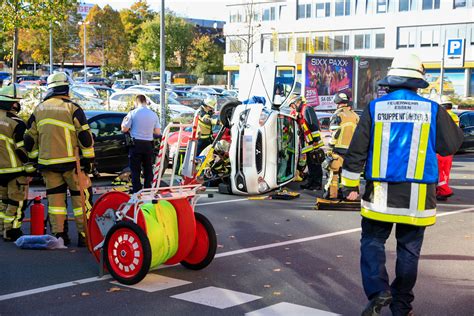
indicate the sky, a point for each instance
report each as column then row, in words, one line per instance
column 200, row 9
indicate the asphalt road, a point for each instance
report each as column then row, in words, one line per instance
column 274, row 258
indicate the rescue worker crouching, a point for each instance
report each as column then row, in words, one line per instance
column 310, row 140
column 55, row 129
column 205, row 123
column 13, row 159
column 342, row 125
column 397, row 140
column 443, row 191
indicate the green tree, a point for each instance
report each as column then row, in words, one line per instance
column 205, row 56
column 133, row 18
column 105, row 41
column 32, row 14
column 179, row 36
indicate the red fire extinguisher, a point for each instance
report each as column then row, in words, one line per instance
column 37, row 217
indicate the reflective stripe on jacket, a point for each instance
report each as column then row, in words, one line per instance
column 343, row 124
column 12, row 129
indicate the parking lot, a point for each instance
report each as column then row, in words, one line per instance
column 273, row 256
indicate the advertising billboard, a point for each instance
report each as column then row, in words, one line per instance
column 370, row 71
column 324, row 76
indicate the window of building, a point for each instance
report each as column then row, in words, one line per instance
column 283, row 44
column 380, row 40
column 430, row 4
column 429, row 36
column 459, row 4
column 304, row 11
column 302, row 44
column 323, row 9
column 235, row 46
column 319, row 43
column 406, row 37
column 268, row 14
column 367, row 41
column 341, row 42
column 382, row 6
column 404, row 5
column 472, row 38
column 362, row 41
column 281, row 11
column 343, row 7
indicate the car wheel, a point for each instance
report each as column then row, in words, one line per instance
column 227, row 110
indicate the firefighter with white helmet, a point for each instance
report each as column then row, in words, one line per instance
column 55, row 129
column 13, row 159
column 342, row 126
column 395, row 144
column 205, row 122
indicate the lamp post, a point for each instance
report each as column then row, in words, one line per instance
column 85, row 48
column 162, row 66
column 51, row 69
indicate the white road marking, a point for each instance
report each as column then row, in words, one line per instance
column 224, row 254
column 288, row 309
column 222, row 202
column 217, row 297
column 155, row 282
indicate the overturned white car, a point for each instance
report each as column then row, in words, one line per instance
column 264, row 149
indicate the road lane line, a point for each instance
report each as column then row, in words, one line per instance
column 53, row 287
column 220, row 255
column 222, row 202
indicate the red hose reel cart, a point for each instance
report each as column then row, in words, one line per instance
column 130, row 235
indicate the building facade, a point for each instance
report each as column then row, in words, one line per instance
column 284, row 30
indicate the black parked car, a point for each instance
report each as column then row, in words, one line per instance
column 111, row 155
column 466, row 122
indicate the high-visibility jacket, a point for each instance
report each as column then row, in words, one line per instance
column 397, row 140
column 308, row 123
column 454, row 117
column 12, row 152
column 55, row 128
column 205, row 122
column 343, row 124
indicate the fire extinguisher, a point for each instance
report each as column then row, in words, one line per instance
column 37, row 217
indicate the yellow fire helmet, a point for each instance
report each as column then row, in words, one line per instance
column 57, row 80
column 10, row 93
column 210, row 101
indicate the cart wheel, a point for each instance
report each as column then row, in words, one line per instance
column 205, row 245
column 127, row 253
column 109, row 200
column 227, row 110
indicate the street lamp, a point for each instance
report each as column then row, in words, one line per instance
column 51, row 69
column 85, row 48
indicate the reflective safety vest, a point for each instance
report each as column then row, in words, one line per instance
column 205, row 122
column 9, row 143
column 343, row 124
column 402, row 147
column 312, row 138
column 55, row 131
column 454, row 117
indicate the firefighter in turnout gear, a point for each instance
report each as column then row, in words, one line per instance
column 311, row 141
column 205, row 123
column 55, row 129
column 397, row 140
column 13, row 156
column 443, row 191
column 343, row 124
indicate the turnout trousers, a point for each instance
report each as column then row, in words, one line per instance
column 332, row 186
column 372, row 263
column 13, row 196
column 57, row 184
column 444, row 169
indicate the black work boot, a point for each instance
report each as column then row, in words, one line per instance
column 81, row 240
column 65, row 237
column 376, row 304
column 13, row 234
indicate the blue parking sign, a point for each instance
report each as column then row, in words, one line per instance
column 455, row 47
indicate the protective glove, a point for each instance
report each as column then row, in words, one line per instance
column 319, row 155
column 88, row 165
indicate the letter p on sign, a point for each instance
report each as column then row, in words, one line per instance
column 455, row 47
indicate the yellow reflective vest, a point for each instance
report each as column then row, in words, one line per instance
column 54, row 127
column 343, row 124
column 12, row 129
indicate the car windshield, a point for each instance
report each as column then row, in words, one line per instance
column 286, row 149
column 156, row 99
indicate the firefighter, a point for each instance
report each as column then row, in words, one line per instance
column 219, row 166
column 13, row 156
column 55, row 129
column 342, row 125
column 311, row 141
column 397, row 141
column 205, row 122
column 443, row 191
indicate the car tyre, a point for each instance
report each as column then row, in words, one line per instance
column 227, row 110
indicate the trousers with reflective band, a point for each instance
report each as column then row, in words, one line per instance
column 403, row 137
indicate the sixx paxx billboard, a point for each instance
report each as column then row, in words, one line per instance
column 324, row 76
